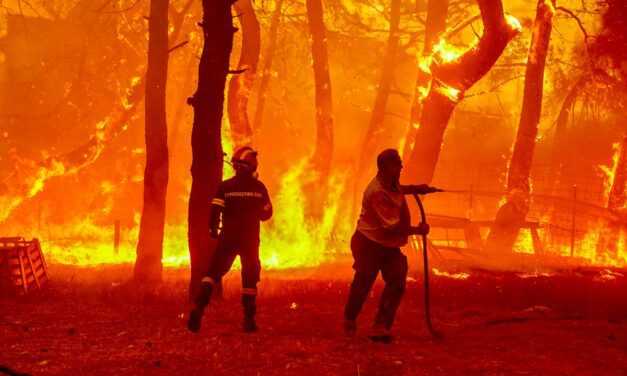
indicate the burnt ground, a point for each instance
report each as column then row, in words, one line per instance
column 88, row 322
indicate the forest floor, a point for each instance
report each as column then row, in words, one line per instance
column 87, row 321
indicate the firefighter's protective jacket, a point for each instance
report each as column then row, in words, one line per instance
column 243, row 202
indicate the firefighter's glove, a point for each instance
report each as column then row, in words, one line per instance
column 422, row 229
column 421, row 189
column 265, row 212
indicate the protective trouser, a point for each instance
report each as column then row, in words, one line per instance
column 223, row 258
column 370, row 258
column 248, row 302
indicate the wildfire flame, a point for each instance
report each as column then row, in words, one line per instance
column 513, row 23
column 603, row 243
column 293, row 239
column 33, row 176
column 450, row 92
column 445, row 52
column 290, row 239
column 610, row 171
column 441, row 273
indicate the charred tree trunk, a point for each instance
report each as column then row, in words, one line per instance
column 266, row 71
column 450, row 79
column 435, row 26
column 148, row 265
column 506, row 227
column 208, row 102
column 241, row 84
column 320, row 161
column 376, row 125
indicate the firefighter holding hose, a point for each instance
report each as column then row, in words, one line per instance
column 240, row 204
column 383, row 227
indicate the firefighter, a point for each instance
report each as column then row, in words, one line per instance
column 383, row 227
column 241, row 202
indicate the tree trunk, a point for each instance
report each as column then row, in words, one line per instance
column 450, row 80
column 435, row 26
column 241, row 84
column 150, row 243
column 376, row 125
column 505, row 231
column 266, row 71
column 208, row 104
column 321, row 158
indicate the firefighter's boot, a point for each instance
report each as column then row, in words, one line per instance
column 250, row 308
column 202, row 300
column 381, row 333
column 350, row 327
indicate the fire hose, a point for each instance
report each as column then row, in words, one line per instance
column 427, row 299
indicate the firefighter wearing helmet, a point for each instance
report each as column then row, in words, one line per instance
column 240, row 204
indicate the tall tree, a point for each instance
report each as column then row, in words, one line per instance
column 150, row 243
column 241, row 84
column 208, row 101
column 451, row 78
column 435, row 25
column 323, row 152
column 266, row 71
column 513, row 213
column 377, row 117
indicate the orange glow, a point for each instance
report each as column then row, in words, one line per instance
column 424, row 64
column 72, row 206
column 292, row 239
column 524, row 243
column 289, row 240
column 450, row 92
column 513, row 22
column 550, row 6
column 446, row 52
column 460, row 276
column 609, row 171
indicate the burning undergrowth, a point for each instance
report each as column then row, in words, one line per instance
column 291, row 239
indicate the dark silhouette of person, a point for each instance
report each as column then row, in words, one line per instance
column 383, row 227
column 241, row 203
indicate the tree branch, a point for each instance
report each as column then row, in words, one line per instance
column 493, row 88
column 100, row 9
column 577, row 19
column 179, row 45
